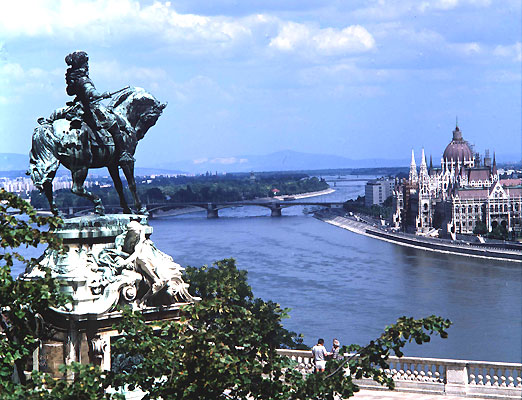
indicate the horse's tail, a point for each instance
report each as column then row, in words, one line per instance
column 43, row 163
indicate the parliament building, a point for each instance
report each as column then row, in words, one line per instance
column 465, row 191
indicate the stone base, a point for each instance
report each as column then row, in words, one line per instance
column 88, row 341
column 109, row 261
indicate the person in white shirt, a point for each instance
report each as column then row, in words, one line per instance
column 319, row 354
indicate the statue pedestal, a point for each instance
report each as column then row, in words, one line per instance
column 109, row 261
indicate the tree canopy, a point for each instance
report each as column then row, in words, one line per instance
column 22, row 302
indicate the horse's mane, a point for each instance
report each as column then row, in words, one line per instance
column 135, row 103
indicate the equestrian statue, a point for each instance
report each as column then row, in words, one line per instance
column 87, row 134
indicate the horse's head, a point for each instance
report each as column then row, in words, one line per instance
column 139, row 107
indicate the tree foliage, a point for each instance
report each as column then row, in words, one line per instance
column 22, row 302
column 358, row 206
column 499, row 232
column 204, row 188
column 225, row 348
column 480, row 227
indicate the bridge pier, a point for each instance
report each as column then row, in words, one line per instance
column 212, row 211
column 275, row 211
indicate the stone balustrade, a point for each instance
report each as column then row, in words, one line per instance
column 492, row 380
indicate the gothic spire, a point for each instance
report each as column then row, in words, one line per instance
column 413, row 169
column 423, row 168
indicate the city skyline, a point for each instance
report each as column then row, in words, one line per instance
column 369, row 80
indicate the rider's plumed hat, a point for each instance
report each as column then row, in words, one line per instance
column 77, row 59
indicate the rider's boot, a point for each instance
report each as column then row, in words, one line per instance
column 124, row 157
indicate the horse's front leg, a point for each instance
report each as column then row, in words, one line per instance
column 78, row 177
column 128, row 171
column 48, row 191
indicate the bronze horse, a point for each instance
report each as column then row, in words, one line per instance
column 56, row 143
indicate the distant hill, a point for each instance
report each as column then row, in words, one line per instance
column 286, row 160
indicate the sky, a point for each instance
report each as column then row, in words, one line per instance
column 360, row 79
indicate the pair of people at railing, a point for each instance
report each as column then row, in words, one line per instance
column 320, row 354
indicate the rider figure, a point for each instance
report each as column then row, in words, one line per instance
column 94, row 115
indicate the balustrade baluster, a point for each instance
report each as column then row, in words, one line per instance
column 422, row 376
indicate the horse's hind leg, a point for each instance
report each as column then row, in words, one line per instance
column 78, row 177
column 115, row 175
column 128, row 171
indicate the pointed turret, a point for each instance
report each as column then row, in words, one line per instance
column 431, row 163
column 423, row 173
column 494, row 171
column 413, row 169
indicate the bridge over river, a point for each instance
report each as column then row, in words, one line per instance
column 212, row 208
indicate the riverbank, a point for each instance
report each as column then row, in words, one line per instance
column 446, row 246
column 304, row 195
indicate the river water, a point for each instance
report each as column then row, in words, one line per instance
column 344, row 285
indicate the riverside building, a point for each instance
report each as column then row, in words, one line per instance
column 464, row 192
column 377, row 191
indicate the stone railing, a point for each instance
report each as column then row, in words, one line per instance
column 490, row 380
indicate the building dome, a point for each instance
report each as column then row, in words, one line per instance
column 458, row 148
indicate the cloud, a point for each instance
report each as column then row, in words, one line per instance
column 297, row 37
column 513, row 51
column 467, row 49
column 113, row 20
column 221, row 160
column 451, row 4
column 122, row 74
column 197, row 89
column 16, row 81
column 396, row 9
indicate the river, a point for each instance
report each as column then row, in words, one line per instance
column 344, row 285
